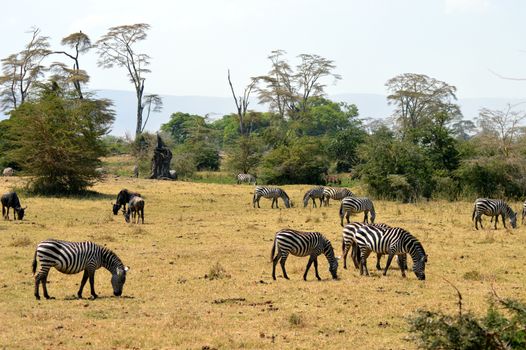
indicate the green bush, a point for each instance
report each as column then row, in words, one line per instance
column 503, row 327
column 58, row 140
column 302, row 162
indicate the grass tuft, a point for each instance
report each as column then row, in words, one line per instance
column 20, row 242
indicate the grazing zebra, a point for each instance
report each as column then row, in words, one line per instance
column 393, row 241
column 493, row 208
column 335, row 193
column 123, row 198
column 250, row 179
column 135, row 210
column 349, row 243
column 271, row 193
column 298, row 243
column 74, row 257
column 352, row 205
column 11, row 200
column 313, row 193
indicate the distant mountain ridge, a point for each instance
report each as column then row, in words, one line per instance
column 369, row 106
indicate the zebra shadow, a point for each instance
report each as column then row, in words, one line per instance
column 100, row 297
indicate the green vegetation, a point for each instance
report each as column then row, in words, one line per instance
column 503, row 327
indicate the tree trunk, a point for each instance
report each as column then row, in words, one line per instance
column 162, row 156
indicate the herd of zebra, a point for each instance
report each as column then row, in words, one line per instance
column 359, row 238
column 363, row 238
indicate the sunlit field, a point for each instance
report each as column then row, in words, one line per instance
column 200, row 272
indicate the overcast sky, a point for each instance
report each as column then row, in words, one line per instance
column 192, row 43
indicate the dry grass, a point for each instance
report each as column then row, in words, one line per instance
column 196, row 230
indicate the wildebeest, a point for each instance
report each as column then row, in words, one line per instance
column 135, row 209
column 10, row 200
column 123, row 198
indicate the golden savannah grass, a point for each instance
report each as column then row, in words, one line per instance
column 200, row 272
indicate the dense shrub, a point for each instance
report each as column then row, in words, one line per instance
column 58, row 141
column 503, row 327
column 302, row 162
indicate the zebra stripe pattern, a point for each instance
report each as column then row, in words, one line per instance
column 298, row 243
column 74, row 257
column 313, row 193
column 335, row 193
column 349, row 243
column 248, row 178
column 354, row 205
column 393, row 241
column 493, row 208
column 523, row 211
column 270, row 193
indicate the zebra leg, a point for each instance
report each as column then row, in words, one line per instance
column 378, row 257
column 44, row 287
column 363, row 262
column 142, row 215
column 38, row 278
column 311, row 260
column 355, row 254
column 347, row 217
column 274, row 263
column 91, row 275
column 402, row 263
column 314, row 205
column 345, row 251
column 282, row 263
column 497, row 220
column 316, row 268
column 82, row 283
column 366, row 217
column 388, row 263
column 504, row 220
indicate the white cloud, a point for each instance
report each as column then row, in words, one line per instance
column 466, row 6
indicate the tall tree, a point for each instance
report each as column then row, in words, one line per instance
column 501, row 127
column 117, row 47
column 81, row 44
column 418, row 99
column 22, row 70
column 289, row 92
column 242, row 103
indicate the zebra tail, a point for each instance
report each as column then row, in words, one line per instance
column 473, row 215
column 273, row 251
column 35, row 262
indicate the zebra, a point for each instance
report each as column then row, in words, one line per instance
column 335, row 193
column 523, row 212
column 393, row 241
column 123, row 197
column 74, row 257
column 349, row 243
column 351, row 205
column 298, row 243
column 251, row 179
column 313, row 193
column 11, row 200
column 135, row 210
column 271, row 193
column 493, row 208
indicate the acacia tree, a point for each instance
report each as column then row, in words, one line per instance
column 501, row 127
column 81, row 44
column 419, row 99
column 289, row 91
column 22, row 70
column 117, row 47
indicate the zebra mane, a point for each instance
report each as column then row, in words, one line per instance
column 110, row 260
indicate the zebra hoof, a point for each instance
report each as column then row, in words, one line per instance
column 37, row 297
column 94, row 296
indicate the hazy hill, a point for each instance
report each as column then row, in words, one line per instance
column 369, row 106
